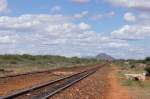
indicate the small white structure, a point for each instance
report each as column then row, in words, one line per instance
column 138, row 76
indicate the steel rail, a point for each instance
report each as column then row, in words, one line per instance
column 59, row 86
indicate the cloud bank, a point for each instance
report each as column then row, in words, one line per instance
column 135, row 4
column 52, row 34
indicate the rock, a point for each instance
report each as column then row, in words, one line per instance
column 136, row 76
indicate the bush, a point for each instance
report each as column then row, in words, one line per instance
column 132, row 66
column 13, row 62
column 147, row 69
column 147, row 59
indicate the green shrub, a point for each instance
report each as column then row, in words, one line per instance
column 13, row 62
column 147, row 69
column 147, row 59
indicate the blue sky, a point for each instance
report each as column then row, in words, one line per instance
column 120, row 28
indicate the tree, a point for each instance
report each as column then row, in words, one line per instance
column 147, row 59
column 147, row 69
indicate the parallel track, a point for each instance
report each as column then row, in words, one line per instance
column 48, row 89
column 24, row 74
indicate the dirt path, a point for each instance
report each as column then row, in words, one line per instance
column 115, row 90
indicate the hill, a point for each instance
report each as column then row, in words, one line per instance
column 103, row 56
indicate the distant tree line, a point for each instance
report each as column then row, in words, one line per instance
column 43, row 59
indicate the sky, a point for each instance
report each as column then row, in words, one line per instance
column 120, row 28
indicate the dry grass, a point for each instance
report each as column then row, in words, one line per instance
column 137, row 89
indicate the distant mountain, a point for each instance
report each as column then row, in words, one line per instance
column 103, row 56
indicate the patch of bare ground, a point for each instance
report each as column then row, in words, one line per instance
column 139, row 93
column 114, row 89
column 88, row 88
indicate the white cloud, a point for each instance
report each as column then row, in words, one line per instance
column 101, row 16
column 58, row 35
column 129, row 17
column 81, row 1
column 51, row 34
column 81, row 15
column 84, row 26
column 141, row 18
column 117, row 45
column 56, row 9
column 137, row 35
column 133, row 32
column 136, row 4
column 86, row 14
column 144, row 16
column 3, row 6
column 6, row 39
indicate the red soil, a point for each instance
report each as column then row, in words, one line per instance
column 101, row 85
column 114, row 89
column 10, row 84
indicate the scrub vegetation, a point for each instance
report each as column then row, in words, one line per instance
column 28, row 63
column 138, row 89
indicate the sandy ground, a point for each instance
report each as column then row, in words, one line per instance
column 114, row 89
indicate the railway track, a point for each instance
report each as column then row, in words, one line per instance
column 29, row 73
column 48, row 89
column 24, row 74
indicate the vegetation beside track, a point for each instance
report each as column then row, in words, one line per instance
column 138, row 89
column 27, row 63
